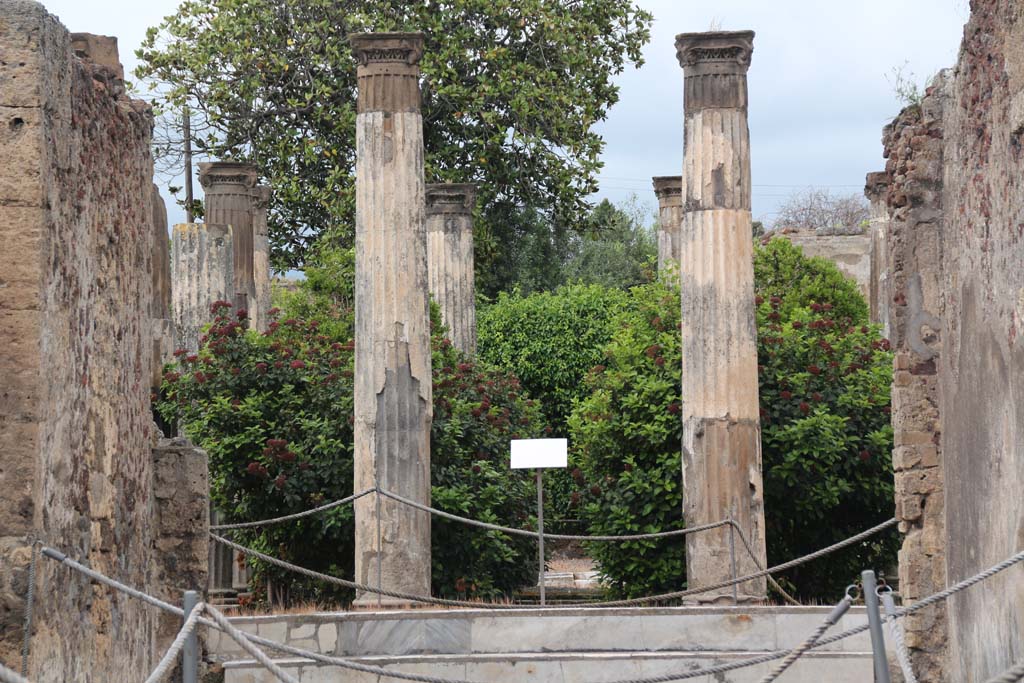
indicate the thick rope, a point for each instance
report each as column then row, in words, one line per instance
column 556, row 537
column 743, row 579
column 30, row 598
column 831, row 620
column 10, row 676
column 1011, row 675
column 297, row 515
column 170, row 658
column 247, row 645
column 757, row 563
column 902, row 655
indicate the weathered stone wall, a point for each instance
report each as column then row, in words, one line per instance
column 913, row 146
column 955, row 247
column 181, row 524
column 75, row 297
column 981, row 374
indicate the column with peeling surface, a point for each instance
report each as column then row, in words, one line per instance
column 669, row 191
column 450, row 259
column 721, row 425
column 259, row 309
column 392, row 355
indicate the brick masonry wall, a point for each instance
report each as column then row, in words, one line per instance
column 75, row 288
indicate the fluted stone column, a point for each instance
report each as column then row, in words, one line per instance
column 669, row 191
column 202, row 270
column 721, row 425
column 228, row 188
column 392, row 354
column 450, row 259
column 259, row 308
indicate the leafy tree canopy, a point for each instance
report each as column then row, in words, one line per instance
column 511, row 92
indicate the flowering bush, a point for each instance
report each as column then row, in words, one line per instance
column 275, row 414
column 824, row 388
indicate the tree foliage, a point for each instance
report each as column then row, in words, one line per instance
column 274, row 412
column 512, row 90
column 826, row 440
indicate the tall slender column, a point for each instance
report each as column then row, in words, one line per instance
column 258, row 309
column 669, row 191
column 721, row 425
column 450, row 259
column 228, row 187
column 392, row 355
column 160, row 308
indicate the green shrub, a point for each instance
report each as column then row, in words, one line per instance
column 274, row 412
column 826, row 439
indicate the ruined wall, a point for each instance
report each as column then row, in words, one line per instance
column 181, row 524
column 75, row 347
column 955, row 250
column 982, row 370
column 914, row 149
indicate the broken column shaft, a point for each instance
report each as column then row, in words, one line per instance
column 392, row 343
column 669, row 191
column 450, row 259
column 721, row 425
column 202, row 271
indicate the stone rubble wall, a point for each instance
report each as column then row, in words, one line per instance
column 914, row 149
column 75, row 421
column 955, row 299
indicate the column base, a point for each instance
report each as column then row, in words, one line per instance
column 370, row 602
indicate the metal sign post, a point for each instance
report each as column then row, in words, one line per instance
column 538, row 454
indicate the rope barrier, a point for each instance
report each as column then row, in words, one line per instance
column 1011, row 675
column 749, row 577
column 9, row 676
column 902, row 655
column 831, row 620
column 556, row 537
column 590, row 605
column 352, row 584
column 297, row 515
column 379, row 671
column 757, row 563
column 170, row 657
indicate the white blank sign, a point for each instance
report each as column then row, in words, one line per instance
column 534, row 453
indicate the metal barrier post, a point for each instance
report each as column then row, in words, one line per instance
column 380, row 550
column 732, row 560
column 190, row 653
column 869, row 586
column 540, row 530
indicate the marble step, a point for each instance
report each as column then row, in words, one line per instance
column 524, row 630
column 567, row 667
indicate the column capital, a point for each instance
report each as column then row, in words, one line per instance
column 387, row 70
column 214, row 173
column 456, row 198
column 715, row 52
column 668, row 187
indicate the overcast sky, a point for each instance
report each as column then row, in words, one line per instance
column 820, row 84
